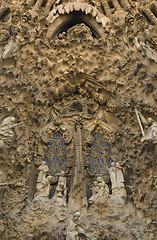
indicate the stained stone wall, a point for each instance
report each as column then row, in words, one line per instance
column 78, row 119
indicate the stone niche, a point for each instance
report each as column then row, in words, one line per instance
column 78, row 120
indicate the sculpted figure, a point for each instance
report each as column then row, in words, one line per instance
column 103, row 188
column 117, row 180
column 43, row 169
column 62, row 179
column 148, row 128
column 61, row 191
column 6, row 127
column 120, row 178
column 151, row 133
column 43, row 188
column 43, row 182
column 95, row 192
column 112, row 171
column 99, row 190
column 72, row 228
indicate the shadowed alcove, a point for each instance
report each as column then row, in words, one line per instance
column 65, row 22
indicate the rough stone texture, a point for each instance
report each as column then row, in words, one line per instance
column 78, row 83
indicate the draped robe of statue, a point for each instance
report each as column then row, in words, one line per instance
column 117, row 181
column 43, row 182
column 119, row 175
column 43, row 169
column 113, row 177
column 61, row 191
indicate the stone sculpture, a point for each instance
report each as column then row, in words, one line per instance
column 43, row 188
column 120, row 178
column 150, row 53
column 100, row 190
column 73, row 226
column 62, row 179
column 61, row 191
column 43, row 169
column 113, row 177
column 117, row 180
column 77, row 68
column 95, row 192
column 150, row 127
column 74, row 229
column 43, row 182
column 6, row 127
column 103, row 188
column 151, row 133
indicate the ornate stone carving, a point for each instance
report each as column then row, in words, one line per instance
column 117, row 180
column 6, row 132
column 6, row 127
column 150, row 126
column 100, row 190
column 43, row 188
column 60, row 195
column 74, row 230
column 43, row 182
column 151, row 133
column 145, row 49
column 71, row 74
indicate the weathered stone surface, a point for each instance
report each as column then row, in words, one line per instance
column 78, row 119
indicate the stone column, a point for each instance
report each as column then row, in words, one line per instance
column 77, row 198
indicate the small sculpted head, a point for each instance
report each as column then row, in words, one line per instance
column 76, row 216
column 117, row 164
column 95, row 183
column 62, row 173
column 99, row 179
column 112, row 164
column 150, row 120
column 7, row 121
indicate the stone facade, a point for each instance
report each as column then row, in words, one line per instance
column 78, row 119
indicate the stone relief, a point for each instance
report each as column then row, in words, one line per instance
column 150, row 126
column 74, row 230
column 44, row 188
column 6, row 127
column 100, row 190
column 43, row 182
column 71, row 74
column 117, row 181
column 151, row 130
column 60, row 195
column 7, row 132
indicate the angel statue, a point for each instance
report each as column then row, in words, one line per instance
column 150, row 127
column 7, row 126
column 6, row 132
